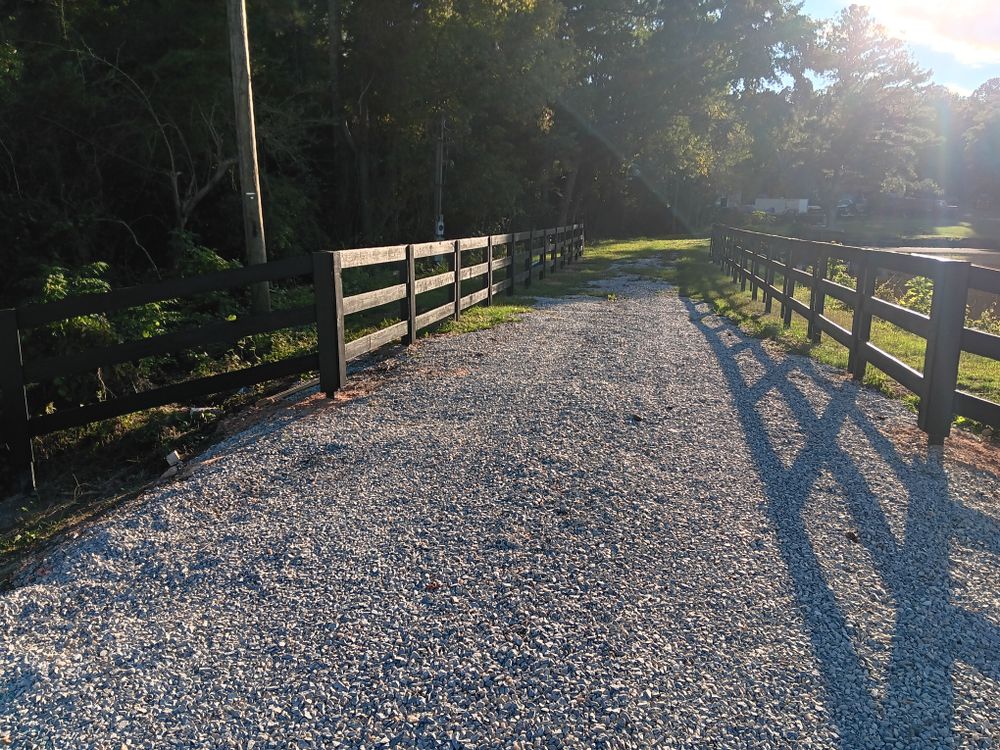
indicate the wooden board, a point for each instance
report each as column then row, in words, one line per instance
column 367, row 300
column 430, row 249
column 903, row 317
column 433, row 316
column 226, row 332
column 470, row 299
column 373, row 341
column 434, row 282
column 370, row 256
column 982, row 343
column 471, row 272
column 977, row 408
column 171, row 394
column 895, row 369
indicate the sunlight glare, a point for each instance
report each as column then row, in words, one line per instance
column 969, row 30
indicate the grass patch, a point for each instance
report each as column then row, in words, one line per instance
column 915, row 228
column 479, row 318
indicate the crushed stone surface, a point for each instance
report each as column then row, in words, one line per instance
column 617, row 523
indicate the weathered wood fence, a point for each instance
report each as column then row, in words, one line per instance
column 511, row 260
column 757, row 260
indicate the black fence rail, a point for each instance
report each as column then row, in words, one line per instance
column 510, row 260
column 757, row 260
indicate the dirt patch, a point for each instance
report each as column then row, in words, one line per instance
column 960, row 447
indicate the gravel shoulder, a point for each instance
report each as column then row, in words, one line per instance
column 617, row 523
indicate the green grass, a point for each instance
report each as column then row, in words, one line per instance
column 478, row 318
column 917, row 228
column 899, row 230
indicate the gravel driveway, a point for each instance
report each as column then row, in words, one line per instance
column 618, row 523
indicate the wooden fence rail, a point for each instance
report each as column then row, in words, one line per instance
column 754, row 259
column 518, row 256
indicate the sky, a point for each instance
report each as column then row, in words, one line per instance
column 958, row 39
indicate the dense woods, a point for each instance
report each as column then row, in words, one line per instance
column 117, row 145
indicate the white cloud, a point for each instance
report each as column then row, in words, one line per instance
column 957, row 88
column 968, row 30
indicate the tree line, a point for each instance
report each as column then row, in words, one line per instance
column 118, row 151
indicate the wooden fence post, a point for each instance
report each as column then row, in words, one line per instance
column 768, row 278
column 944, row 348
column 456, row 263
column 788, row 288
column 583, row 230
column 817, row 297
column 411, row 295
column 324, row 292
column 527, row 260
column 861, row 325
column 541, row 266
column 14, row 407
column 512, row 268
column 738, row 274
column 754, row 270
column 489, row 271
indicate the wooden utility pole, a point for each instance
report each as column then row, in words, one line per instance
column 246, row 137
column 439, row 185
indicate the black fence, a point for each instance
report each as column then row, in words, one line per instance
column 510, row 260
column 774, row 266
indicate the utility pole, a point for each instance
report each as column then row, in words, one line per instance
column 246, row 138
column 439, row 185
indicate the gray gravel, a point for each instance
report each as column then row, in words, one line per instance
column 615, row 524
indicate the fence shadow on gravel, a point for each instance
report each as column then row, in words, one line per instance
column 929, row 633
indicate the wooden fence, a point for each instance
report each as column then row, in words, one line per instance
column 518, row 257
column 756, row 259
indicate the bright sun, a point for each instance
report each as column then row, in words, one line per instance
column 967, row 29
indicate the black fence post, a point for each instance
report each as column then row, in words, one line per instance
column 411, row 296
column 788, row 289
column 861, row 325
column 528, row 259
column 817, row 297
column 768, row 277
column 456, row 264
column 489, row 271
column 944, row 348
column 329, row 295
column 541, row 265
column 14, row 406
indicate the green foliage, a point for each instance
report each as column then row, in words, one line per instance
column 919, row 294
column 479, row 318
column 761, row 221
column 988, row 321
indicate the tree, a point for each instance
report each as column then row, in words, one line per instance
column 982, row 145
column 867, row 123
